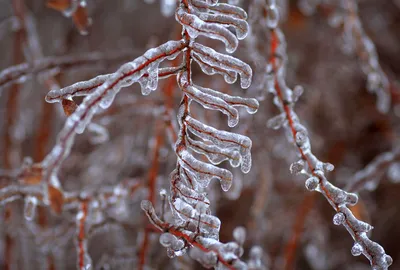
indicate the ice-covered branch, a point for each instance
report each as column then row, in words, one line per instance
column 102, row 97
column 208, row 251
column 369, row 177
column 55, row 64
column 309, row 164
column 193, row 223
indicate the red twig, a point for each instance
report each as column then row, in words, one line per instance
column 154, row 170
column 302, row 214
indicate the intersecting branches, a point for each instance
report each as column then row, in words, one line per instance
column 53, row 65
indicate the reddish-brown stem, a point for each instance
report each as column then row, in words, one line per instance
column 9, row 243
column 64, row 64
column 11, row 109
column 170, row 85
column 152, row 182
column 155, row 164
column 143, row 250
column 82, row 234
column 287, row 110
column 291, row 245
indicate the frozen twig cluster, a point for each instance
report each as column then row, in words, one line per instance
column 193, row 223
column 308, row 164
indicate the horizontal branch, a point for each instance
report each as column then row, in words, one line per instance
column 54, row 64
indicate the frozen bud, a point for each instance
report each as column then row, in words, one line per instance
column 297, row 92
column 373, row 80
column 312, row 183
column 276, row 122
column 339, row 218
column 328, row 167
column 256, row 252
column 272, row 16
column 356, row 250
column 178, row 245
column 30, row 207
column 166, row 239
column 277, row 101
column 239, row 234
column 231, row 247
column 388, row 260
column 226, row 184
column 163, row 193
column 210, row 258
column 27, row 162
column 201, row 207
column 394, row 172
column 301, row 138
column 351, row 198
column 297, row 167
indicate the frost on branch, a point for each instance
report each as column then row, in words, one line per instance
column 106, row 88
column 190, row 207
column 309, row 164
column 356, row 41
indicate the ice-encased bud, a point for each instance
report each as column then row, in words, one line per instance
column 239, row 234
column 297, row 167
column 339, row 218
column 328, row 167
column 166, row 239
column 301, row 138
column 394, row 172
column 298, row 90
column 276, row 122
column 356, row 250
column 163, row 193
column 388, row 260
column 351, row 198
column 312, row 183
column 272, row 16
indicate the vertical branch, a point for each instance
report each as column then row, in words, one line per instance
column 11, row 114
column 152, row 183
column 302, row 213
column 83, row 259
